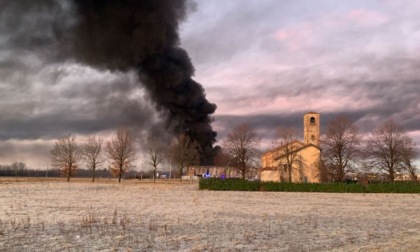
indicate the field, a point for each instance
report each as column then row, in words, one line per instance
column 53, row 215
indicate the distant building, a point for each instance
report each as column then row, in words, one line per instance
column 212, row 171
column 306, row 167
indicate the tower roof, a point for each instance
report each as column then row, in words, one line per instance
column 312, row 113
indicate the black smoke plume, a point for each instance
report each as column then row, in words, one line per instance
column 118, row 35
column 143, row 35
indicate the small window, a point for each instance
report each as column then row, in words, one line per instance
column 312, row 120
column 313, row 138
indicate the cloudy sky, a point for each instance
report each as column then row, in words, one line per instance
column 262, row 62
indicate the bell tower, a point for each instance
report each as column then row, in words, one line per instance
column 311, row 128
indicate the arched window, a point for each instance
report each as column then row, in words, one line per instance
column 312, row 120
column 313, row 138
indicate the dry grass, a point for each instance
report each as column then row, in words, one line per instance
column 53, row 215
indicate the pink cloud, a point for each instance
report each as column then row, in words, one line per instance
column 365, row 18
column 295, row 37
column 298, row 36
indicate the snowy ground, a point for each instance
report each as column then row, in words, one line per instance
column 53, row 215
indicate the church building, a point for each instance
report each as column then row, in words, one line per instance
column 296, row 161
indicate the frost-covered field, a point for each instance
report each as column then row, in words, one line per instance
column 55, row 215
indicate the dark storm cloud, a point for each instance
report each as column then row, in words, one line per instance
column 33, row 27
column 76, row 110
column 265, row 124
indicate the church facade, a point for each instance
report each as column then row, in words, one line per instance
column 296, row 161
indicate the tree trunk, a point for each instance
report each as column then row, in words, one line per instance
column 93, row 175
column 391, row 174
column 340, row 175
column 290, row 173
column 154, row 175
column 120, row 174
column 243, row 169
column 68, row 174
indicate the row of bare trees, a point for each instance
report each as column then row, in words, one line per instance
column 67, row 154
column 387, row 150
column 121, row 153
column 14, row 169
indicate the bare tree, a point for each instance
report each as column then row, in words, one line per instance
column 409, row 153
column 65, row 155
column 223, row 159
column 121, row 152
column 184, row 153
column 242, row 146
column 91, row 154
column 287, row 145
column 155, row 154
column 341, row 147
column 384, row 148
column 18, row 167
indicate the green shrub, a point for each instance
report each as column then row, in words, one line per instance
column 228, row 184
column 244, row 185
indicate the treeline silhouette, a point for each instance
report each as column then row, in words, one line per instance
column 8, row 171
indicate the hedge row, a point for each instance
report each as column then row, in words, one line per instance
column 244, row 185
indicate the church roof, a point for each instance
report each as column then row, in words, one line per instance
column 283, row 146
column 297, row 150
column 302, row 146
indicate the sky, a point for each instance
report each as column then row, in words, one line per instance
column 262, row 62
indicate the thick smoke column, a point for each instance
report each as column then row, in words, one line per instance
column 143, row 36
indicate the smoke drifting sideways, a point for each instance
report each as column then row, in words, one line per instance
column 140, row 36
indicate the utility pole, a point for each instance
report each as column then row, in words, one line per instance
column 170, row 168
